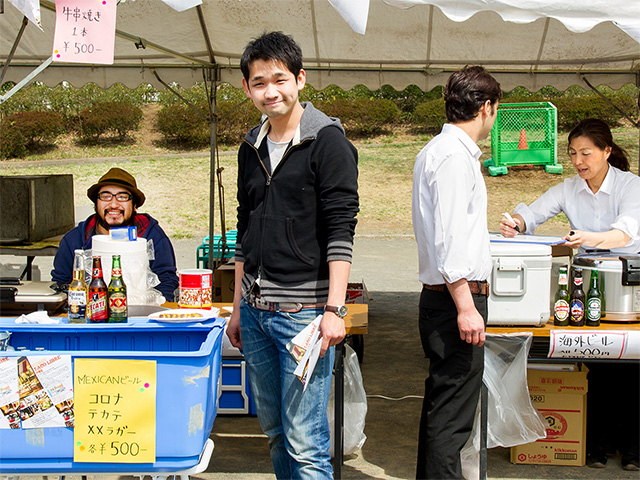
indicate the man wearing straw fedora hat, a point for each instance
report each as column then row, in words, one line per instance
column 116, row 197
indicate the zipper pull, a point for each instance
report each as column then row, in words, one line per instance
column 268, row 181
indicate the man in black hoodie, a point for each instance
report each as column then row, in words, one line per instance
column 297, row 203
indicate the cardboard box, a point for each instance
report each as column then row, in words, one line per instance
column 561, row 397
column 224, row 282
column 357, row 293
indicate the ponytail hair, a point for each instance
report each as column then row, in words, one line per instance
column 600, row 134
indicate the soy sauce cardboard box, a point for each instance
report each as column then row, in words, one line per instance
column 561, row 397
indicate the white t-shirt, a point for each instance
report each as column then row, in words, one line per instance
column 449, row 208
column 276, row 152
column 616, row 205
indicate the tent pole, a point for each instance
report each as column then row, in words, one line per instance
column 584, row 79
column 25, row 22
column 213, row 74
column 25, row 80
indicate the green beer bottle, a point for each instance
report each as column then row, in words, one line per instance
column 561, row 303
column 117, row 293
column 593, row 310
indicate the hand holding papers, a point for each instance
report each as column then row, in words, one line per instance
column 305, row 349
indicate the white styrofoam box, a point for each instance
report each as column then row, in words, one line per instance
column 519, row 283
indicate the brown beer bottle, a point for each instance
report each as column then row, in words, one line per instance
column 577, row 300
column 97, row 294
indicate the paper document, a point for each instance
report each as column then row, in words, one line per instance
column 538, row 239
column 305, row 349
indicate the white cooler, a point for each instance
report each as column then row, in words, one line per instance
column 519, row 283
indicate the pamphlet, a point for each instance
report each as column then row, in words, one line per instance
column 9, row 393
column 46, row 391
column 305, row 349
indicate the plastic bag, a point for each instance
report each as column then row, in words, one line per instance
column 355, row 405
column 137, row 275
column 511, row 417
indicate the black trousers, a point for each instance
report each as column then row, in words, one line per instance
column 452, row 389
column 613, row 420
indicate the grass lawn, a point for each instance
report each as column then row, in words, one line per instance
column 177, row 183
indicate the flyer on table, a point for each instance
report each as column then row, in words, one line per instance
column 46, row 391
column 9, row 393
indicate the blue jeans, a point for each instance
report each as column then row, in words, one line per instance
column 295, row 421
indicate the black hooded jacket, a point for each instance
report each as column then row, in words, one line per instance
column 293, row 222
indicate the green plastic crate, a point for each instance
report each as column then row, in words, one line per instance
column 524, row 134
column 221, row 254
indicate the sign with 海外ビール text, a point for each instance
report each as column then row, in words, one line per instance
column 85, row 31
column 604, row 344
column 115, row 403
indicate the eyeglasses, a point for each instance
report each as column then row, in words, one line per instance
column 120, row 196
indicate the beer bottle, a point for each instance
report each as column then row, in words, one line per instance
column 117, row 294
column 77, row 292
column 561, row 303
column 97, row 294
column 594, row 301
column 577, row 300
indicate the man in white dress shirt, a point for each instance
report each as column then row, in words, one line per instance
column 450, row 224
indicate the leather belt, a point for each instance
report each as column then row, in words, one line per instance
column 477, row 287
column 287, row 307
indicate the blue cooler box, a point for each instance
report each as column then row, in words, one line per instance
column 187, row 370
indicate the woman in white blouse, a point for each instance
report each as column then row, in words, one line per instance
column 602, row 202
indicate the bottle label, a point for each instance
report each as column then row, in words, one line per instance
column 97, row 272
column 116, row 272
column 561, row 310
column 118, row 304
column 594, row 309
column 577, row 309
column 563, row 278
column 77, row 297
column 98, row 306
column 77, row 304
column 577, row 281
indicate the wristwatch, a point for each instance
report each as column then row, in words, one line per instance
column 340, row 310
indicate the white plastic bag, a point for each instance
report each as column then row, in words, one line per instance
column 511, row 417
column 355, row 405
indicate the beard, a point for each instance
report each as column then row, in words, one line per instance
column 103, row 223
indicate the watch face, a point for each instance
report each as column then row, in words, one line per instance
column 340, row 311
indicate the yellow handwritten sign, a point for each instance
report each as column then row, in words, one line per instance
column 115, row 407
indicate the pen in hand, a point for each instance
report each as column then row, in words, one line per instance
column 510, row 218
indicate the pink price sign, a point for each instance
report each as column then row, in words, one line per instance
column 85, row 31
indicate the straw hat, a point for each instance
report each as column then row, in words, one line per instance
column 117, row 176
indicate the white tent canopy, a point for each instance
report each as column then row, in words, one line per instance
column 552, row 43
